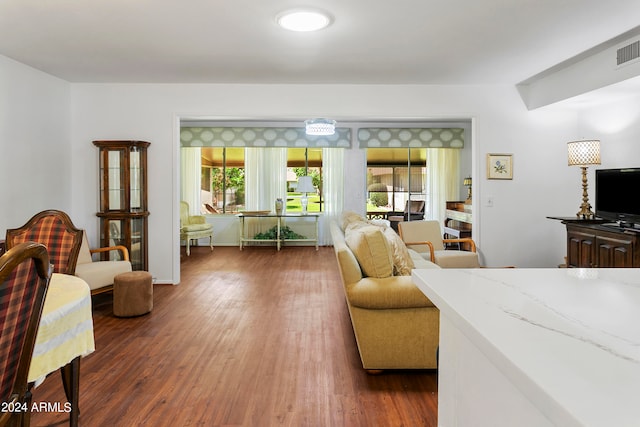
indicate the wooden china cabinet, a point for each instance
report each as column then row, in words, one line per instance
column 123, row 199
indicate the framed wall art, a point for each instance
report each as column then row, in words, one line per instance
column 499, row 166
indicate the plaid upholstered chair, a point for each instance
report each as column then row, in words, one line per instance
column 24, row 278
column 57, row 233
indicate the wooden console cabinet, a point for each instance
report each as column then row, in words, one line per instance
column 457, row 222
column 597, row 245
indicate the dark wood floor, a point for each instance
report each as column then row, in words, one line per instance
column 251, row 338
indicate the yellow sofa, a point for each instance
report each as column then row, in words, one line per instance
column 396, row 326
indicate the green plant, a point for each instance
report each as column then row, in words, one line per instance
column 378, row 195
column 272, row 234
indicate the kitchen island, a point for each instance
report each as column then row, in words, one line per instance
column 537, row 347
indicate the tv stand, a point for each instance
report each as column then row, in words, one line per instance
column 598, row 244
column 627, row 225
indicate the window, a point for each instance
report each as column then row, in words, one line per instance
column 304, row 162
column 222, row 180
column 231, row 168
column 394, row 176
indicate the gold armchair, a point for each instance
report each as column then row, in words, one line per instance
column 193, row 227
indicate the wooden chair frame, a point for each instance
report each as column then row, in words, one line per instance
column 64, row 259
column 16, row 374
column 471, row 243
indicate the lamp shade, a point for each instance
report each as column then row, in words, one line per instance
column 305, row 185
column 583, row 153
column 467, row 181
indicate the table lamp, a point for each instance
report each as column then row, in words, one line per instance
column 467, row 183
column 584, row 153
column 305, row 185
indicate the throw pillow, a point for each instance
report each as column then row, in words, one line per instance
column 402, row 262
column 371, row 249
column 348, row 217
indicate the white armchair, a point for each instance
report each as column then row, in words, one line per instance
column 99, row 274
column 193, row 227
column 426, row 238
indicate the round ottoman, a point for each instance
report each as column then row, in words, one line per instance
column 132, row 294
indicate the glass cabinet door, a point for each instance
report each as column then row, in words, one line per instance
column 112, row 180
column 128, row 232
column 113, row 234
column 136, row 179
column 138, row 248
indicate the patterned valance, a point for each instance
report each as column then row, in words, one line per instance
column 411, row 137
column 260, row 137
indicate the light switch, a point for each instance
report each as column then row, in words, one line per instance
column 489, row 203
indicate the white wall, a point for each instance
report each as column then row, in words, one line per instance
column 617, row 125
column 512, row 232
column 47, row 125
column 35, row 144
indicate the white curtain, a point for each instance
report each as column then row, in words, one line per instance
column 190, row 162
column 333, row 189
column 265, row 174
column 443, row 180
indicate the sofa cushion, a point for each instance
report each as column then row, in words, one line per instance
column 387, row 293
column 101, row 273
column 196, row 227
column 457, row 259
column 371, row 248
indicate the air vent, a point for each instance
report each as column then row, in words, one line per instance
column 628, row 53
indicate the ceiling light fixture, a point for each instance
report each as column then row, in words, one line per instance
column 303, row 20
column 320, row 127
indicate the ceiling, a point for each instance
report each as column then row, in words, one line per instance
column 369, row 42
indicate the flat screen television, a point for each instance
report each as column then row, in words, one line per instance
column 618, row 195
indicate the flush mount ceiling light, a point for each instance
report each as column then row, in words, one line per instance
column 320, row 127
column 303, row 20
